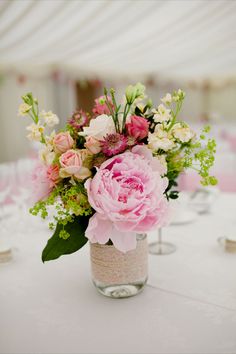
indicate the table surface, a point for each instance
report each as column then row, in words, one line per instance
column 188, row 306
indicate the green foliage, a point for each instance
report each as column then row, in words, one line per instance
column 69, row 200
column 75, row 199
column 174, row 168
column 200, row 156
column 66, row 239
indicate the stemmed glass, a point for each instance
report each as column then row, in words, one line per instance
column 159, row 247
column 23, row 170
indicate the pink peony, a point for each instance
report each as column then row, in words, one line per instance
column 92, row 145
column 101, row 106
column 137, row 127
column 41, row 185
column 72, row 165
column 53, row 175
column 127, row 194
column 63, row 142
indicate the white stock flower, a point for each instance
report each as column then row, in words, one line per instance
column 36, row 131
column 182, row 133
column 99, row 127
column 160, row 139
column 141, row 106
column 23, row 109
column 50, row 118
column 167, row 99
column 162, row 114
column 179, row 95
column 134, row 92
column 47, row 156
column 162, row 160
column 49, row 139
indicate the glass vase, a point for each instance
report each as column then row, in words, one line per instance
column 116, row 274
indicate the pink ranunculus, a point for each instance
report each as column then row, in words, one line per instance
column 53, row 175
column 100, row 106
column 63, row 142
column 41, row 185
column 72, row 165
column 127, row 194
column 137, row 127
column 93, row 145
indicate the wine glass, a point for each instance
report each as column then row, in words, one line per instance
column 159, row 247
column 23, row 169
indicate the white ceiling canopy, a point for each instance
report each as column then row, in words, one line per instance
column 171, row 39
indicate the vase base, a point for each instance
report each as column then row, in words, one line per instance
column 120, row 291
column 161, row 248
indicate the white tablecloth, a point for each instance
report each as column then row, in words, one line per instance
column 188, row 306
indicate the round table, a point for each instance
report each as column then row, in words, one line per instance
column 188, row 305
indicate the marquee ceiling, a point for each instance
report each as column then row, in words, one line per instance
column 180, row 39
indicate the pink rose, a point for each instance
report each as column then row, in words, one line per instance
column 127, row 194
column 101, row 106
column 93, row 145
column 41, row 185
column 53, row 175
column 137, row 127
column 72, row 165
column 63, row 142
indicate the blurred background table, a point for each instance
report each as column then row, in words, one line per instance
column 188, row 306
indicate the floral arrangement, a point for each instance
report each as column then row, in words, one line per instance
column 109, row 175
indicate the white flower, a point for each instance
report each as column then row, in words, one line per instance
column 99, row 127
column 134, row 92
column 49, row 139
column 160, row 131
column 47, row 156
column 23, row 109
column 160, row 139
column 179, row 95
column 36, row 131
column 50, row 118
column 182, row 133
column 162, row 160
column 141, row 106
column 162, row 114
column 167, row 99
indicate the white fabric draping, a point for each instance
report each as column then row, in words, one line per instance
column 187, row 39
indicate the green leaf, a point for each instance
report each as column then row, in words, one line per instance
column 58, row 246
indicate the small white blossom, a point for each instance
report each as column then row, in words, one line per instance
column 23, row 109
column 179, row 95
column 182, row 133
column 134, row 92
column 99, row 127
column 156, row 143
column 50, row 118
column 141, row 106
column 160, row 139
column 167, row 99
column 36, row 131
column 49, row 139
column 47, row 156
column 161, row 132
column 162, row 114
column 162, row 160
